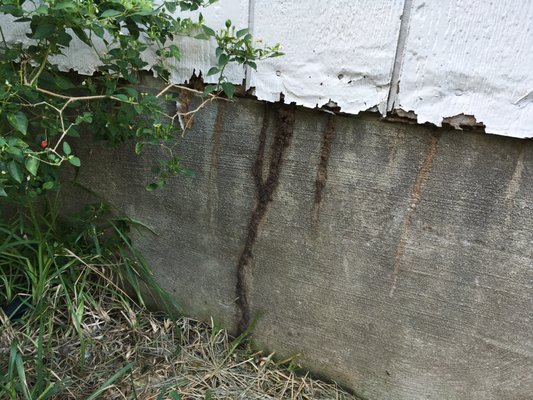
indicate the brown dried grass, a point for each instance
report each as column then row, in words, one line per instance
column 194, row 359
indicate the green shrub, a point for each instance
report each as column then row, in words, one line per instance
column 54, row 272
column 41, row 108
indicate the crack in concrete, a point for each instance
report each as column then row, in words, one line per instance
column 414, row 201
column 265, row 189
column 322, row 173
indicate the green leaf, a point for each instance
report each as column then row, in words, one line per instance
column 252, row 64
column 65, row 5
column 15, row 171
column 210, row 89
column 52, row 157
column 213, row 71
column 88, row 117
column 228, row 89
column 219, row 51
column 98, row 31
column 32, row 165
column 171, row 6
column 2, row 192
column 74, row 161
column 110, row 13
column 156, row 185
column 73, row 132
column 41, row 10
column 14, row 150
column 48, row 185
column 120, row 96
column 223, row 60
column 80, row 33
column 131, row 92
column 242, row 32
column 63, row 83
column 63, row 38
column 42, row 31
column 16, row 11
column 208, row 31
column 66, row 148
column 138, row 147
column 19, row 121
column 151, row 187
column 175, row 51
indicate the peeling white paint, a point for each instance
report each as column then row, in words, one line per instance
column 473, row 58
column 199, row 55
column 341, row 51
column 452, row 61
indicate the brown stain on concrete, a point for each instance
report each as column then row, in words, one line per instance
column 265, row 188
column 322, row 173
column 185, row 99
column 212, row 195
column 414, row 201
column 514, row 183
column 513, row 186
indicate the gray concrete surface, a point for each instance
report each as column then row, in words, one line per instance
column 396, row 259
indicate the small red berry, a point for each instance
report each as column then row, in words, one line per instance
column 44, row 143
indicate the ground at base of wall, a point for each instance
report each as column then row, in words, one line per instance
column 186, row 359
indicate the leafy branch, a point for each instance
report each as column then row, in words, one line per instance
column 234, row 47
column 41, row 107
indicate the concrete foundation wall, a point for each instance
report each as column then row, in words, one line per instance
column 396, row 259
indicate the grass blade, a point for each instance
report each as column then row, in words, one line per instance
column 110, row 381
column 40, row 369
column 22, row 377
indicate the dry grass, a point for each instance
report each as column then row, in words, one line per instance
column 193, row 359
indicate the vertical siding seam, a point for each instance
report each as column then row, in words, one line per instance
column 251, row 22
column 394, row 86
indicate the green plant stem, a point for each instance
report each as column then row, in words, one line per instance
column 41, row 67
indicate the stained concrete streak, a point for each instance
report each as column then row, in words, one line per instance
column 513, row 187
column 322, row 173
column 414, row 200
column 265, row 188
column 185, row 119
column 514, row 183
column 212, row 196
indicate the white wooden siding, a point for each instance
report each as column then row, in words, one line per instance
column 340, row 51
column 470, row 57
column 454, row 57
